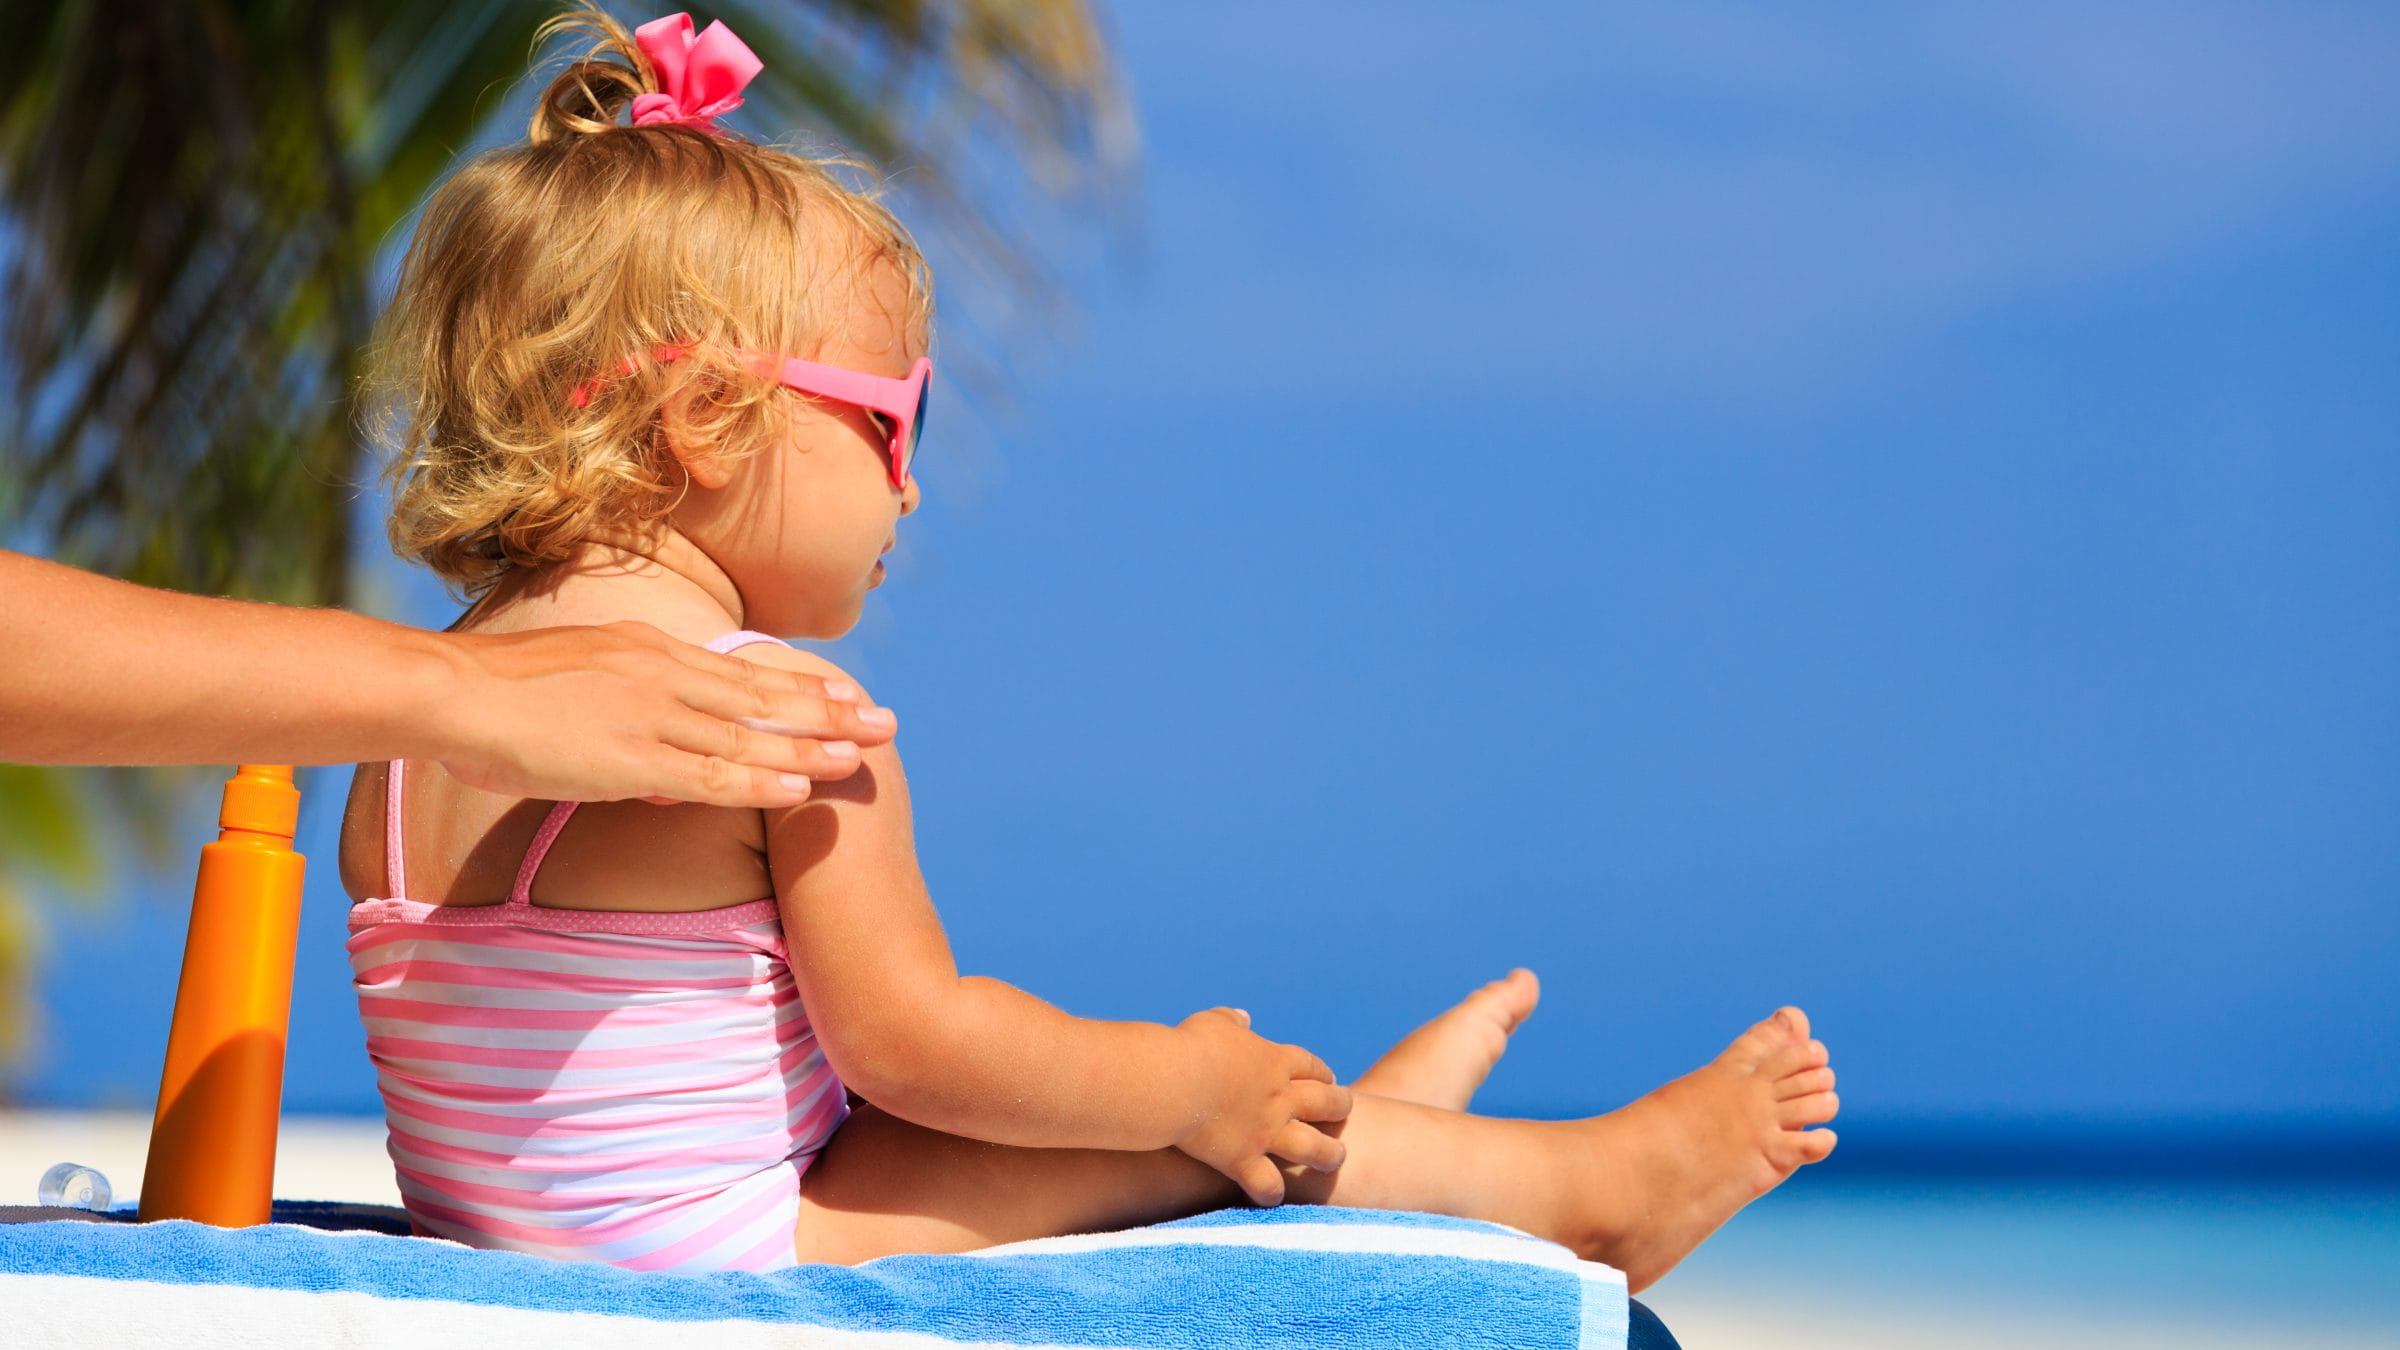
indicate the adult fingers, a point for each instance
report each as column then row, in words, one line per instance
column 782, row 702
column 1308, row 1146
column 702, row 734
column 1259, row 1179
column 1312, row 1100
column 713, row 780
column 589, row 714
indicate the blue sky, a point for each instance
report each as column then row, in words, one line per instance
column 1889, row 508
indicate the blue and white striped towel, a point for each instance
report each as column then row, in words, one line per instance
column 1258, row 1279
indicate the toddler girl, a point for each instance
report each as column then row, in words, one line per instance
column 651, row 371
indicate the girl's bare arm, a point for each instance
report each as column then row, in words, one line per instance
column 95, row 671
column 978, row 1058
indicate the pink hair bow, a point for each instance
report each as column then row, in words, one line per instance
column 700, row 78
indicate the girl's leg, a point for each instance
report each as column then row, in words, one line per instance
column 1443, row 1062
column 1637, row 1188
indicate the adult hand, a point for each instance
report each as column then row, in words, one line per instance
column 598, row 714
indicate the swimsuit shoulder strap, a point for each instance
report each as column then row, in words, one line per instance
column 521, row 895
column 741, row 638
column 395, row 867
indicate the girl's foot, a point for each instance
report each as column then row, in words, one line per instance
column 1654, row 1178
column 1442, row 1062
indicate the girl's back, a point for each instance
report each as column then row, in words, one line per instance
column 584, row 1022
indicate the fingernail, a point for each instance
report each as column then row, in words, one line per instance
column 878, row 717
column 841, row 689
column 841, row 749
column 796, row 782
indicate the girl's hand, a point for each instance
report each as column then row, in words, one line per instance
column 600, row 714
column 1258, row 1101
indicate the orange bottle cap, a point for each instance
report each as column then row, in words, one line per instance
column 261, row 798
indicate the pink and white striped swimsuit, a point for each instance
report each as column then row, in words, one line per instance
column 591, row 1085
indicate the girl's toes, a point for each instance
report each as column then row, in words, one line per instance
column 1803, row 1083
column 1812, row 1146
column 1786, row 1060
column 1814, row 1109
column 1760, row 1045
column 1524, row 993
column 1512, row 997
column 1794, row 1022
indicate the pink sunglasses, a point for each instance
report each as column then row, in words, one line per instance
column 897, row 405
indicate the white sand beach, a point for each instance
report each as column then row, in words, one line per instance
column 1741, row 1292
column 316, row 1157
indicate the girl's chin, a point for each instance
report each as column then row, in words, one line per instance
column 810, row 611
column 807, row 626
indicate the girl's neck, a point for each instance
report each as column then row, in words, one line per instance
column 665, row 581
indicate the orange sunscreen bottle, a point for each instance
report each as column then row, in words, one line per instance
column 212, row 1143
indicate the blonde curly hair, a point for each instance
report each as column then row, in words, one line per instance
column 537, row 267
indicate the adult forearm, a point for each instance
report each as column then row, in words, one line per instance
column 993, row 1062
column 96, row 671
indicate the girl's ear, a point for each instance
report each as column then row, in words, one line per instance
column 691, row 449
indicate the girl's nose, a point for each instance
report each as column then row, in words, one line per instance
column 910, row 496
